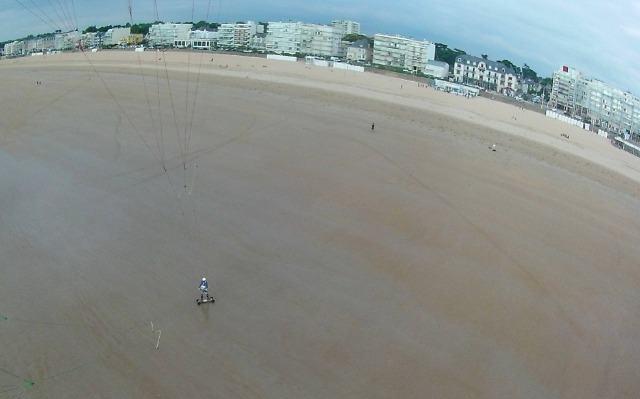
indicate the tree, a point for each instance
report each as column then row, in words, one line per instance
column 508, row 63
column 529, row 73
column 511, row 65
column 445, row 54
column 351, row 37
column 205, row 25
column 141, row 29
column 91, row 29
column 485, row 56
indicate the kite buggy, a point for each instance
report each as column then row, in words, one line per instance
column 204, row 291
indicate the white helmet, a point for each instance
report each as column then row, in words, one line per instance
column 204, row 279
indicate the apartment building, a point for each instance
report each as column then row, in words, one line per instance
column 168, row 34
column 487, row 74
column 92, row 39
column 608, row 108
column 203, row 39
column 40, row 44
column 115, row 36
column 347, row 27
column 66, row 41
column 596, row 102
column 238, row 35
column 564, row 88
column 15, row 48
column 303, row 38
column 402, row 52
column 59, row 41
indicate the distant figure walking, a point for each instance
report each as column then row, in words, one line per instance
column 373, row 126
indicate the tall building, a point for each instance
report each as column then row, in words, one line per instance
column 236, row 35
column 168, row 34
column 487, row 74
column 608, row 108
column 402, row 52
column 303, row 38
column 596, row 102
column 563, row 91
column 116, row 36
column 347, row 27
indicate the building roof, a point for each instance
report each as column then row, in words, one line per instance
column 361, row 43
column 438, row 63
column 491, row 65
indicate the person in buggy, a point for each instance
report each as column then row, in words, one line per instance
column 204, row 289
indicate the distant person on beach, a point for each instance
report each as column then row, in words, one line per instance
column 373, row 126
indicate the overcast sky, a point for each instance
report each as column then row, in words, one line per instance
column 600, row 38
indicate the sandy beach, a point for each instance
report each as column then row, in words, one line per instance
column 407, row 261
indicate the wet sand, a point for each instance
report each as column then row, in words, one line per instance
column 408, row 261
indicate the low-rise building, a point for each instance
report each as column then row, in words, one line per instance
column 487, row 74
column 437, row 69
column 204, row 39
column 360, row 51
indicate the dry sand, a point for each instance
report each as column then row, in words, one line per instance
column 405, row 262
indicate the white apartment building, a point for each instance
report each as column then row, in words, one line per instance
column 115, row 36
column 67, row 40
column 607, row 107
column 563, row 91
column 59, row 41
column 402, row 52
column 40, row 44
column 203, row 39
column 283, row 37
column 259, row 42
column 15, row 48
column 490, row 75
column 310, row 39
column 91, row 39
column 237, row 35
column 347, row 27
column 168, row 34
column 595, row 102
